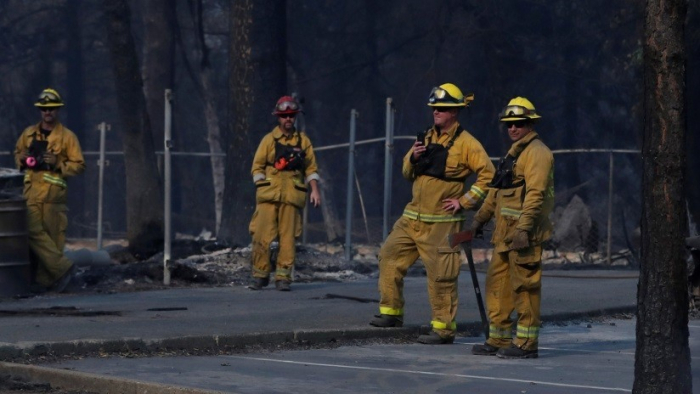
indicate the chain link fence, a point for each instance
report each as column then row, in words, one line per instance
column 596, row 216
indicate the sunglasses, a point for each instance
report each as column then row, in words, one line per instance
column 287, row 106
column 47, row 109
column 518, row 124
column 442, row 109
column 287, row 116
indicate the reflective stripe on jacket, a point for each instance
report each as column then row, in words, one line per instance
column 466, row 157
column 282, row 186
column 526, row 207
column 69, row 162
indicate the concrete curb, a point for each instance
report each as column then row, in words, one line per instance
column 216, row 343
column 73, row 380
column 212, row 343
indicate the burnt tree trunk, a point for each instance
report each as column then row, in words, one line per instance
column 257, row 78
column 76, row 108
column 144, row 193
column 662, row 360
column 158, row 55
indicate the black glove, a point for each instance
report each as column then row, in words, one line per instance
column 477, row 229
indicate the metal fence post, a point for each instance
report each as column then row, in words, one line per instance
column 167, row 145
column 610, row 204
column 100, row 182
column 350, row 191
column 388, row 164
column 300, row 124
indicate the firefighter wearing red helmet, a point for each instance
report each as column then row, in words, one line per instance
column 437, row 165
column 284, row 167
column 520, row 201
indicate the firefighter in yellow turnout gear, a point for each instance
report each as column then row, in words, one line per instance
column 521, row 199
column 283, row 166
column 48, row 153
column 438, row 168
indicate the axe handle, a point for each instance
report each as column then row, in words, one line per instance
column 475, row 281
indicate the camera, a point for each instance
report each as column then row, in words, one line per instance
column 35, row 159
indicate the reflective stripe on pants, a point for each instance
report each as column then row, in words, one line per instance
column 513, row 282
column 270, row 221
column 408, row 240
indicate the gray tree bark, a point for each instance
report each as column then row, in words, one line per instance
column 662, row 359
column 144, row 195
column 158, row 55
column 257, row 72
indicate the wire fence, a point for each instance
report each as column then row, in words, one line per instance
column 596, row 216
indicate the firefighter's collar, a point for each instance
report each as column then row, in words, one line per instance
column 519, row 145
column 277, row 133
column 56, row 132
column 450, row 132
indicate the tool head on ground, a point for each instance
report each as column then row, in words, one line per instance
column 461, row 237
column 519, row 108
column 286, row 105
column 49, row 98
column 449, row 95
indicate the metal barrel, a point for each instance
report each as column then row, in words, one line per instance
column 15, row 269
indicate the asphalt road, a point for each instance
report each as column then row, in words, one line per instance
column 582, row 357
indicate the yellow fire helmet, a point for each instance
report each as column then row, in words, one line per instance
column 519, row 108
column 49, row 98
column 449, row 95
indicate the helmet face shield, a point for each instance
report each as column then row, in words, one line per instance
column 49, row 98
column 440, row 95
column 518, row 112
column 287, row 106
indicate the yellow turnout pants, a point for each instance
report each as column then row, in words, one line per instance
column 408, row 240
column 274, row 220
column 513, row 282
column 47, row 236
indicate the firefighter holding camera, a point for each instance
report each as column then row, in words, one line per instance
column 284, row 167
column 48, row 153
column 438, row 165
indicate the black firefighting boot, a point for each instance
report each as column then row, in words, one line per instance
column 387, row 321
column 62, row 283
column 259, row 283
column 516, row 352
column 433, row 338
column 282, row 285
column 484, row 350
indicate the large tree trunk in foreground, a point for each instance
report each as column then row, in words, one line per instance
column 144, row 193
column 662, row 361
column 257, row 63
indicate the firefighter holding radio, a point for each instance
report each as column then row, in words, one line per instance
column 438, row 165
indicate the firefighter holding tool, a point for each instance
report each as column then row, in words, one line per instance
column 521, row 199
column 284, row 167
column 49, row 153
column 437, row 164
